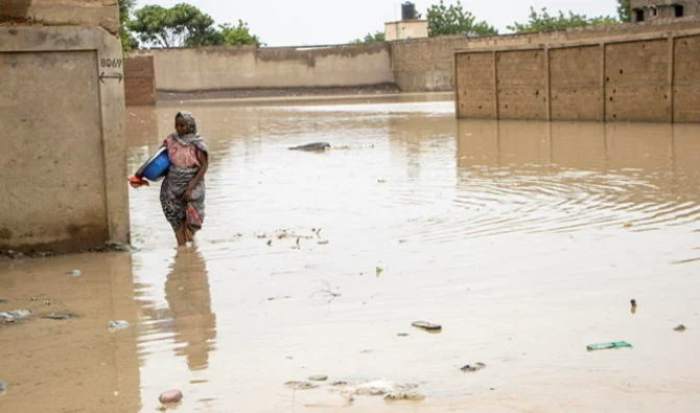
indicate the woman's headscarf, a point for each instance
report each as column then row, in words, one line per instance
column 191, row 137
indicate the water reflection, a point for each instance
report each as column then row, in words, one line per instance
column 189, row 301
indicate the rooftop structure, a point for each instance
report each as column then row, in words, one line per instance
column 645, row 10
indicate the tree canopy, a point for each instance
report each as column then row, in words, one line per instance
column 128, row 41
column 454, row 19
column 376, row 37
column 624, row 10
column 185, row 25
column 542, row 21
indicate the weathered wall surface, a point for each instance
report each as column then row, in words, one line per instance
column 652, row 77
column 139, row 81
column 96, row 13
column 427, row 64
column 63, row 163
column 224, row 68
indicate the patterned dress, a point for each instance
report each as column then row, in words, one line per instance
column 184, row 165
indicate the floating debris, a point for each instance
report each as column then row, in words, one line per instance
column 59, row 316
column 3, row 387
column 426, row 325
column 402, row 334
column 323, row 242
column 680, row 328
column 118, row 325
column 75, row 273
column 300, row 385
column 633, row 306
column 379, row 271
column 170, row 396
column 609, row 345
column 312, row 147
column 269, row 242
column 470, row 368
column 404, row 395
column 9, row 317
column 318, row 377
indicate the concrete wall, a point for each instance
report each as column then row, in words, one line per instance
column 140, row 80
column 645, row 10
column 227, row 68
column 405, row 29
column 95, row 13
column 641, row 77
column 427, row 64
column 63, row 163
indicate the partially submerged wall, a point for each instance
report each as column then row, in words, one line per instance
column 428, row 64
column 230, row 68
column 634, row 77
column 140, row 81
column 62, row 167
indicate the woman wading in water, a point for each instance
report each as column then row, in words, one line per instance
column 182, row 191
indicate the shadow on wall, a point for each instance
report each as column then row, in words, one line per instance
column 15, row 10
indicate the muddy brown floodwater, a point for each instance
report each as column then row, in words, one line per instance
column 525, row 241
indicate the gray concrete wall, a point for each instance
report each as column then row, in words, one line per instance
column 63, row 163
column 653, row 77
column 230, row 68
column 428, row 64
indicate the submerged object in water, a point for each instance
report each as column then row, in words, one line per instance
column 156, row 167
column 606, row 346
column 312, row 147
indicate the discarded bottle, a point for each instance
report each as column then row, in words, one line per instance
column 606, row 346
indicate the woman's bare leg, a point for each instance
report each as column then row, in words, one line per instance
column 181, row 235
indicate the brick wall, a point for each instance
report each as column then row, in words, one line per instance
column 139, row 81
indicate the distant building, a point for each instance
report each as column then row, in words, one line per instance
column 405, row 29
column 646, row 10
column 409, row 27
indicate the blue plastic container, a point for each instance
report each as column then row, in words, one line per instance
column 156, row 167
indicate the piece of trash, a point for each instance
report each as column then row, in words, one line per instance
column 318, row 377
column 633, row 306
column 607, row 346
column 3, row 301
column 118, row 325
column 269, row 242
column 402, row 334
column 680, row 328
column 473, row 367
column 3, row 387
column 379, row 271
column 285, row 297
column 14, row 316
column 426, row 325
column 404, row 395
column 381, row 388
column 627, row 225
column 381, row 181
column 339, row 383
column 170, row 396
column 59, row 316
column 323, row 242
column 300, row 385
column 315, row 146
column 74, row 273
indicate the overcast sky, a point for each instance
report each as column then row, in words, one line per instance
column 311, row 22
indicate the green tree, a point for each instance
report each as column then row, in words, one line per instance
column 544, row 22
column 180, row 25
column 376, row 37
column 453, row 19
column 624, row 10
column 238, row 35
column 128, row 40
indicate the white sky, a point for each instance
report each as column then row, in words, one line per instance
column 311, row 22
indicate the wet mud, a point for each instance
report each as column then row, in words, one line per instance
column 525, row 241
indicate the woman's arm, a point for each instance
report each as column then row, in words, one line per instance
column 203, row 159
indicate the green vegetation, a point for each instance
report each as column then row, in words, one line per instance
column 544, row 22
column 624, row 11
column 128, row 41
column 178, row 26
column 377, row 37
column 453, row 19
column 238, row 35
